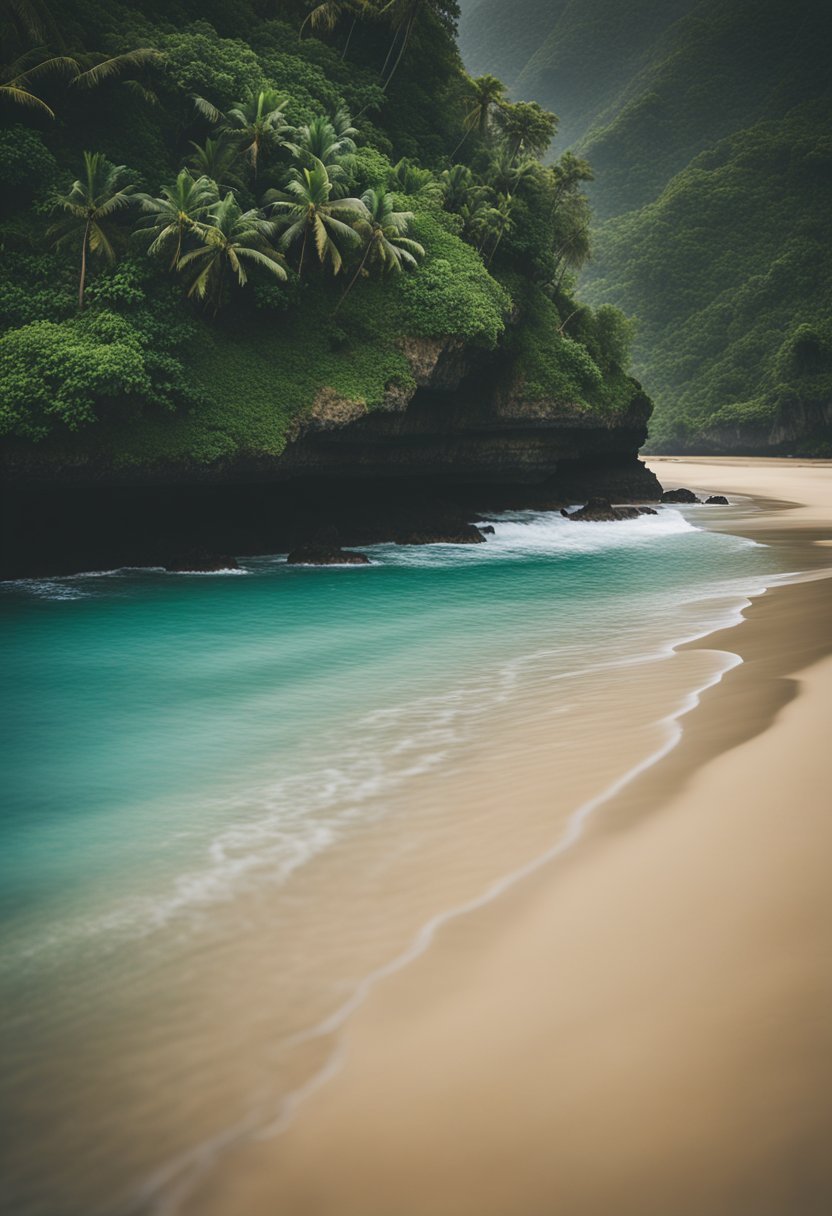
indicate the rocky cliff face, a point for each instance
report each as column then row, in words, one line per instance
column 461, row 439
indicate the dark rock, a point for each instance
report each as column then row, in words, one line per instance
column 600, row 510
column 647, row 511
column 198, row 561
column 459, row 534
column 487, row 529
column 324, row 555
column 680, row 495
column 717, row 500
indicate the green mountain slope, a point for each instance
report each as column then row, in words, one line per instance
column 709, row 139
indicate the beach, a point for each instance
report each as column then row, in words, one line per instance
column 641, row 1024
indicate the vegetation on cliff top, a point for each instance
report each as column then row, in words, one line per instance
column 209, row 213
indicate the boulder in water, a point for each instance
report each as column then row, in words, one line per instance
column 326, row 555
column 680, row 495
column 717, row 500
column 601, row 510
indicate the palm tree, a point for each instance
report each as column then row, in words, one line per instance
column 386, row 244
column 257, row 124
column 497, row 223
column 90, row 206
column 113, row 67
column 459, row 185
column 180, row 209
column 527, row 127
column 306, row 209
column 488, row 94
column 216, row 159
column 326, row 15
column 330, row 141
column 507, row 176
column 233, row 241
column 17, row 79
column 408, row 178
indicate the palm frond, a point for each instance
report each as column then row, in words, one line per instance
column 112, row 68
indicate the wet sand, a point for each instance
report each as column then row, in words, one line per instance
column 643, row 1026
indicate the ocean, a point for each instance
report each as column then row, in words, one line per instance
column 235, row 802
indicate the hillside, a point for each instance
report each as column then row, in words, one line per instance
column 237, row 240
column 707, row 130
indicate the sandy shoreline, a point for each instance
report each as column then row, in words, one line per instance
column 651, row 1032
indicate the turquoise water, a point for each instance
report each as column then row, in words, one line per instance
column 183, row 754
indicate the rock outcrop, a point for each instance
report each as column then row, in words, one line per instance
column 600, row 510
column 717, row 500
column 325, row 555
column 680, row 495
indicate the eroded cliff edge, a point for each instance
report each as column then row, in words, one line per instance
column 464, row 435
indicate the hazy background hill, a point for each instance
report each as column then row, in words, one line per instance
column 708, row 126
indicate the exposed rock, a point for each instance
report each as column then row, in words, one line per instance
column 600, row 510
column 329, row 411
column 680, row 495
column 199, row 561
column 325, row 555
column 717, row 500
column 487, row 529
column 460, row 534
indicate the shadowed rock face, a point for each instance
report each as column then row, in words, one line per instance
column 435, row 457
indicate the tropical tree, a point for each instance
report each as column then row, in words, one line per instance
column 527, row 127
column 216, row 158
column 330, row 141
column 232, row 242
column 181, row 207
column 307, row 212
column 408, row 178
column 506, row 175
column 487, row 95
column 257, row 124
column 403, row 16
column 459, row 185
column 95, row 69
column 89, row 209
column 496, row 224
column 326, row 16
column 386, row 243
column 18, row 78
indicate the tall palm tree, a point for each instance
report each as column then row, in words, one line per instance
column 89, row 207
column 97, row 68
column 181, row 207
column 232, row 242
column 386, row 243
column 506, row 175
column 326, row 15
column 527, row 127
column 307, row 211
column 498, row 223
column 257, row 124
column 216, row 158
column 487, row 95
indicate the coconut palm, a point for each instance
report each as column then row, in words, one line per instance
column 89, row 207
column 506, row 175
column 17, row 79
column 326, row 15
column 306, row 210
column 97, row 68
column 497, row 223
column 527, row 127
column 257, row 124
column 403, row 15
column 232, row 242
column 407, row 178
column 176, row 213
column 459, row 185
column 487, row 95
column 330, row 141
column 216, row 159
column 386, row 243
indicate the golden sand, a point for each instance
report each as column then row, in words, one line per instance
column 644, row 1026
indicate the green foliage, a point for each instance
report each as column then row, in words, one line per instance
column 214, row 109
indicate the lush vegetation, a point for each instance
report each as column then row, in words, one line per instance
column 707, row 126
column 210, row 212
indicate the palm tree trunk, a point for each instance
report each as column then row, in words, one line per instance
column 349, row 36
column 390, row 51
column 494, row 250
column 405, row 41
column 461, row 142
column 303, row 252
column 82, row 283
column 354, row 278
